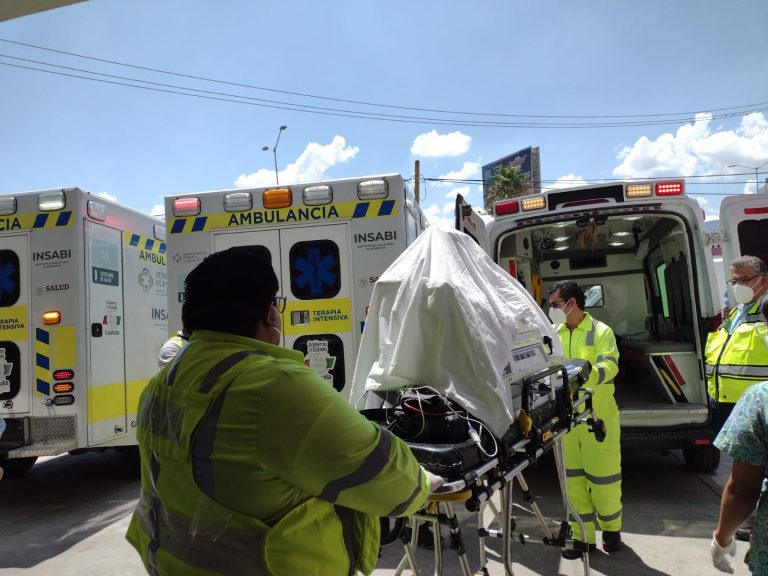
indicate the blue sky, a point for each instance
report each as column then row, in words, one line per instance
column 704, row 61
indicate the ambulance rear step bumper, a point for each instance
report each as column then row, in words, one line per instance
column 46, row 436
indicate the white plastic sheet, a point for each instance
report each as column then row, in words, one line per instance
column 445, row 315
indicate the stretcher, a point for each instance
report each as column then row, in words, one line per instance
column 553, row 402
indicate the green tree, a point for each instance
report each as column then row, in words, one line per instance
column 508, row 182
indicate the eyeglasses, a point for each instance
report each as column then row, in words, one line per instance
column 279, row 303
column 742, row 280
column 557, row 304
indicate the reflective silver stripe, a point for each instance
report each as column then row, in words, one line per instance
column 161, row 418
column 371, row 466
column 170, row 376
column 709, row 369
column 603, row 480
column 607, row 358
column 753, row 318
column 590, row 339
column 600, row 374
column 573, row 472
column 202, row 467
column 610, row 517
column 211, row 547
column 347, row 518
column 154, row 515
column 401, row 508
column 216, row 372
column 591, row 517
column 741, row 370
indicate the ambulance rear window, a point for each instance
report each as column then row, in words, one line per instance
column 752, row 234
column 10, row 288
column 315, row 270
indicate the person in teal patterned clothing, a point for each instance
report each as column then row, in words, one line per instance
column 745, row 437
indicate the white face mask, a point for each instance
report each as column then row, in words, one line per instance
column 744, row 294
column 558, row 315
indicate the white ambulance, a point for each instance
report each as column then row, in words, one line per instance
column 645, row 260
column 328, row 241
column 83, row 314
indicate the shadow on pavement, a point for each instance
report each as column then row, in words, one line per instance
column 62, row 501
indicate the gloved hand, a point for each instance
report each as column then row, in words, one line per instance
column 720, row 555
column 434, row 481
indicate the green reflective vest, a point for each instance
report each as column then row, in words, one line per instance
column 594, row 341
column 737, row 360
column 253, row 464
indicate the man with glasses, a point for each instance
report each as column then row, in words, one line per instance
column 592, row 468
column 250, row 462
column 737, row 353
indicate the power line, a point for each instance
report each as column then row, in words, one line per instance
column 727, row 112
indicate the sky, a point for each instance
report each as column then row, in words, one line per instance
column 605, row 89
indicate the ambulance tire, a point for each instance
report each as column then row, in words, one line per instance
column 132, row 459
column 702, row 458
column 15, row 467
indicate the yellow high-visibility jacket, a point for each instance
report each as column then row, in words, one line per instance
column 737, row 360
column 252, row 464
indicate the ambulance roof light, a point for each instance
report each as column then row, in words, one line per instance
column 638, row 190
column 238, row 202
column 506, row 207
column 317, row 195
column 159, row 231
column 372, row 189
column 534, row 203
column 7, row 206
column 97, row 210
column 277, row 198
column 186, row 206
column 49, row 201
column 674, row 188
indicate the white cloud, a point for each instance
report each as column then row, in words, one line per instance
column 434, row 145
column 467, row 171
column 108, row 196
column 310, row 166
column 698, row 149
column 463, row 190
column 568, row 181
column 437, row 216
column 709, row 212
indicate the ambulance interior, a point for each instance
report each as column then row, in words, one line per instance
column 635, row 270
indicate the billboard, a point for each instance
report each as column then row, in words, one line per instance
column 526, row 161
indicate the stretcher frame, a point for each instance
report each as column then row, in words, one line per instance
column 476, row 487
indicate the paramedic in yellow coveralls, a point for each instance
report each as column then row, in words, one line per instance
column 593, row 469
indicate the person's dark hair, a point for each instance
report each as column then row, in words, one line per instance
column 230, row 291
column 569, row 289
column 751, row 262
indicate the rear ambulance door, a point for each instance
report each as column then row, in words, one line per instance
column 744, row 224
column 470, row 222
column 15, row 380
column 318, row 316
column 106, row 333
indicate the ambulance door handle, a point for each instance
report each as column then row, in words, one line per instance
column 8, row 404
column 119, row 429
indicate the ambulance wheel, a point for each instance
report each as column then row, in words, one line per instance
column 702, row 458
column 15, row 467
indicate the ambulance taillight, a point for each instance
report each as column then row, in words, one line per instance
column 63, row 374
column 186, row 207
column 51, row 317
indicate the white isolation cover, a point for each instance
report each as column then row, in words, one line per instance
column 445, row 315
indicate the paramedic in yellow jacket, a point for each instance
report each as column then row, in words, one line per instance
column 736, row 354
column 251, row 464
column 593, row 469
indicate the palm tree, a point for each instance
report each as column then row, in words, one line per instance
column 508, row 182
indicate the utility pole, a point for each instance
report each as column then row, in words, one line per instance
column 417, row 177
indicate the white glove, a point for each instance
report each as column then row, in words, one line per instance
column 720, row 555
column 434, row 481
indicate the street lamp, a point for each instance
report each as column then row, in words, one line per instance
column 274, row 152
column 755, row 168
